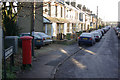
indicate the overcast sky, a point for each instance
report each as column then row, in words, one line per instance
column 108, row 9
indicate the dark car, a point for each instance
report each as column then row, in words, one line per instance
column 46, row 38
column 86, row 38
column 37, row 39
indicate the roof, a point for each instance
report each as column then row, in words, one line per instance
column 59, row 20
column 45, row 20
column 74, row 21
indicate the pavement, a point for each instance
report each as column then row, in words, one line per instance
column 97, row 61
column 47, row 58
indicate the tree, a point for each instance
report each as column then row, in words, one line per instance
column 9, row 20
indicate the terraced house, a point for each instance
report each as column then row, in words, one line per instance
column 61, row 17
column 57, row 17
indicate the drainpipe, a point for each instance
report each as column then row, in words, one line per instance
column 45, row 28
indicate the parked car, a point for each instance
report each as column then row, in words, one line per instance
column 46, row 38
column 86, row 38
column 100, row 33
column 103, row 31
column 118, row 34
column 117, row 30
column 96, row 35
column 37, row 39
column 106, row 29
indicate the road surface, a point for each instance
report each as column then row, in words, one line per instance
column 72, row 61
column 97, row 61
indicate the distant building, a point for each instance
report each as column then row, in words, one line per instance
column 99, row 23
column 111, row 23
column 58, row 17
column 119, row 11
column 54, row 13
column 94, row 20
column 65, row 17
column 118, row 24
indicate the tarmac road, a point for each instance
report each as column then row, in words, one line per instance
column 97, row 61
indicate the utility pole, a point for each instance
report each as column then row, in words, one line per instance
column 97, row 19
column 32, row 25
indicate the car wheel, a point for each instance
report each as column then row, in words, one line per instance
column 91, row 44
column 38, row 47
column 79, row 44
column 98, row 40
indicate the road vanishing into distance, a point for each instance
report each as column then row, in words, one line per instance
column 73, row 61
column 97, row 61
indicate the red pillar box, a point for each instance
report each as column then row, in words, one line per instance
column 26, row 49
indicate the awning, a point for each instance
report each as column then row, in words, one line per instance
column 58, row 20
column 45, row 20
column 74, row 21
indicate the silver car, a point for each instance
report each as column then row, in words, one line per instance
column 100, row 33
column 96, row 35
column 46, row 38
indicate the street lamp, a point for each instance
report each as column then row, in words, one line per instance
column 97, row 19
column 32, row 26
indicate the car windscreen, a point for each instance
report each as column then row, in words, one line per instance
column 24, row 35
column 86, row 35
column 119, row 30
column 36, row 36
column 42, row 34
column 95, row 34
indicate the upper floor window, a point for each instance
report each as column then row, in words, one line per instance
column 56, row 11
column 64, row 12
column 76, row 15
column 61, row 12
column 81, row 16
column 49, row 11
column 67, row 14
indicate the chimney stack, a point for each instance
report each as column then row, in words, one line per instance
column 73, row 4
column 79, row 6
